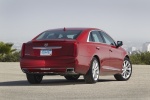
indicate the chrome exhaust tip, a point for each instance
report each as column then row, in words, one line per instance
column 70, row 70
column 25, row 70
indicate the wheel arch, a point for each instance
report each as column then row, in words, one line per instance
column 127, row 56
column 98, row 60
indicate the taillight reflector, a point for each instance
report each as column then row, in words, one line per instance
column 23, row 50
column 75, row 50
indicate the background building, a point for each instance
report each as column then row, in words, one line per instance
column 146, row 47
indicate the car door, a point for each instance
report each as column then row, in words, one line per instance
column 115, row 58
column 102, row 50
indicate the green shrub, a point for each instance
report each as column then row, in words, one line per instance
column 7, row 54
column 12, row 57
column 6, row 48
column 142, row 58
column 136, row 59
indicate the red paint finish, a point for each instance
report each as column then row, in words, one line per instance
column 71, row 53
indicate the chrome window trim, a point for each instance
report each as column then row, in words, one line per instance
column 97, row 42
column 89, row 35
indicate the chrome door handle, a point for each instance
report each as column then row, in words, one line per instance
column 97, row 48
column 110, row 50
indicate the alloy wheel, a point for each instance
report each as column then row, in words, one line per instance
column 126, row 71
column 95, row 70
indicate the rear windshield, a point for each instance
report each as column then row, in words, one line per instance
column 68, row 34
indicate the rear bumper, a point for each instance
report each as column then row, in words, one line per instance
column 65, row 65
column 49, row 71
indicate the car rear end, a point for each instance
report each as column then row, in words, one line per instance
column 52, row 52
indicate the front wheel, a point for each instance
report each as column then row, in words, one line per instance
column 126, row 71
column 92, row 75
column 34, row 79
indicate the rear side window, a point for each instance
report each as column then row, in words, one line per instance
column 95, row 37
column 60, row 34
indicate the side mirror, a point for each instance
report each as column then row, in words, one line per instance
column 119, row 44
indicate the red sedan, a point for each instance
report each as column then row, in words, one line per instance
column 72, row 52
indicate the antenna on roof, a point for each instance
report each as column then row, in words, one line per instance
column 64, row 29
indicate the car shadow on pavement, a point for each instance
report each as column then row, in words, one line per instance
column 50, row 82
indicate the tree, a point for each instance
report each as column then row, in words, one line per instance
column 6, row 48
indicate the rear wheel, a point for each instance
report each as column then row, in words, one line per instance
column 72, row 77
column 92, row 75
column 126, row 71
column 34, row 79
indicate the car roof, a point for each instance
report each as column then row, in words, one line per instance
column 75, row 28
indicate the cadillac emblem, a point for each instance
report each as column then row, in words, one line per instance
column 46, row 44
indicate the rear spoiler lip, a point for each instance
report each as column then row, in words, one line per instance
column 54, row 40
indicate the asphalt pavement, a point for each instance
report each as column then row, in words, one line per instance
column 14, row 86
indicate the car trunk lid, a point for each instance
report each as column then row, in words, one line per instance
column 51, row 48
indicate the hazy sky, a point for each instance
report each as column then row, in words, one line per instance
column 21, row 20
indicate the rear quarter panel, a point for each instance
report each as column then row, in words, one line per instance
column 87, row 50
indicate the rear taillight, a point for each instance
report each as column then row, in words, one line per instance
column 75, row 51
column 23, row 50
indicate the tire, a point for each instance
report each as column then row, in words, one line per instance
column 126, row 71
column 92, row 75
column 34, row 79
column 72, row 77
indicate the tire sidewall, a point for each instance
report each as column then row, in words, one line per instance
column 131, row 68
column 91, row 68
